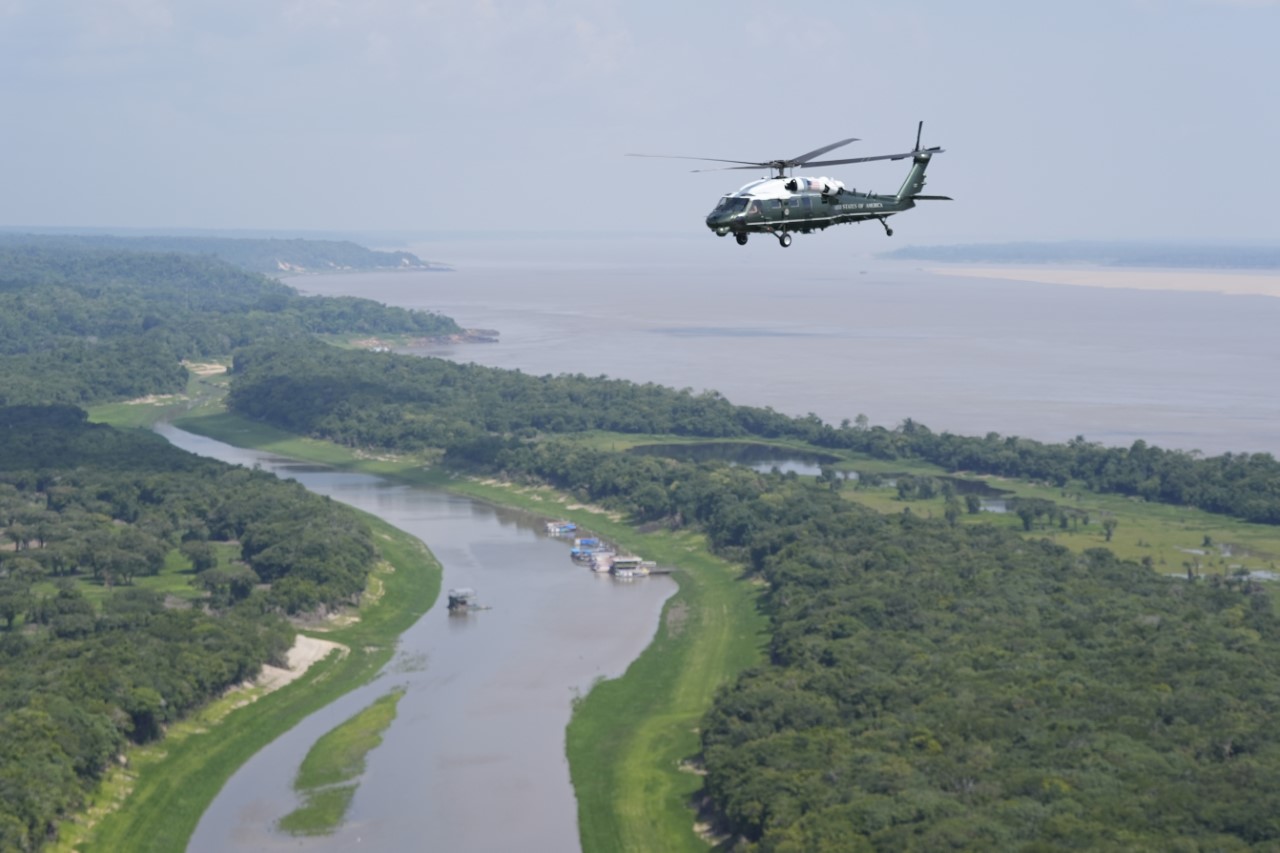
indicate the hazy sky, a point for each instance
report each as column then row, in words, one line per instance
column 1085, row 119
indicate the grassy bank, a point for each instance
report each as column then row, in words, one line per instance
column 168, row 785
column 630, row 738
column 337, row 757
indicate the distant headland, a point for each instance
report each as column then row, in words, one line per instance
column 268, row 256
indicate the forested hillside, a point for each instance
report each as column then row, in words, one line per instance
column 267, row 256
column 93, row 655
column 85, row 326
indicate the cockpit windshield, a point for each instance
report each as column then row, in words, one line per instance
column 730, row 204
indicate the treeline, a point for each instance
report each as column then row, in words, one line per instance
column 399, row 402
column 391, row 401
column 931, row 686
column 87, row 507
column 1244, row 485
column 269, row 256
column 85, row 326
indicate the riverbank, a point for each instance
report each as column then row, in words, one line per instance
column 155, row 803
column 628, row 737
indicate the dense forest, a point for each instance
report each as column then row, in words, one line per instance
column 1257, row 257
column 93, row 659
column 391, row 401
column 98, row 648
column 86, row 326
column 267, row 256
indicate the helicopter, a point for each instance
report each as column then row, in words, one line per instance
column 786, row 203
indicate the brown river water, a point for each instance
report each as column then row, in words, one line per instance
column 814, row 328
column 474, row 760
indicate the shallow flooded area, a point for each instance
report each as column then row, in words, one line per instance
column 759, row 457
column 475, row 759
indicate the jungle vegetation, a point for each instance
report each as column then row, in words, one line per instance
column 385, row 400
column 92, row 325
column 92, row 657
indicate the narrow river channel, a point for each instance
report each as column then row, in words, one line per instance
column 475, row 758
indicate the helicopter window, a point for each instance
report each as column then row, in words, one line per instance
column 728, row 204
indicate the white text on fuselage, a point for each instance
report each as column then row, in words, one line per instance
column 865, row 205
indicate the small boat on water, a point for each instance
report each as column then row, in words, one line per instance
column 561, row 528
column 463, row 600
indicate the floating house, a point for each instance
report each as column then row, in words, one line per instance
column 463, row 600
column 561, row 528
column 584, row 549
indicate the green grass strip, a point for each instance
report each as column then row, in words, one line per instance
column 321, row 812
column 178, row 779
column 338, row 756
column 631, row 738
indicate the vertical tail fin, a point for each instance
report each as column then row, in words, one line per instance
column 914, row 183
column 915, row 178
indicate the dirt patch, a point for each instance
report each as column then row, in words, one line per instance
column 154, row 398
column 205, row 368
column 305, row 652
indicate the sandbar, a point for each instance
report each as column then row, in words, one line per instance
column 1233, row 282
column 305, row 652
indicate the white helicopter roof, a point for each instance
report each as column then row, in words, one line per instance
column 776, row 187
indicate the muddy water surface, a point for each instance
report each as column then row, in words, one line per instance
column 475, row 758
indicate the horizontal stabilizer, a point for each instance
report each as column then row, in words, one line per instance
column 932, row 198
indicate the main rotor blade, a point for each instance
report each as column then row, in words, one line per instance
column 745, row 163
column 803, row 159
column 878, row 157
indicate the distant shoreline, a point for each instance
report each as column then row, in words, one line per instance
column 1232, row 283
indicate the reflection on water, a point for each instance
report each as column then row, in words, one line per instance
column 761, row 457
column 475, row 759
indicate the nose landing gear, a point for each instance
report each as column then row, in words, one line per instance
column 741, row 237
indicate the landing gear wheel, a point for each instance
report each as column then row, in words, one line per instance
column 784, row 239
column 887, row 230
column 741, row 238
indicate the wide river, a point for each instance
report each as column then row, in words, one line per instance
column 816, row 328
column 475, row 758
